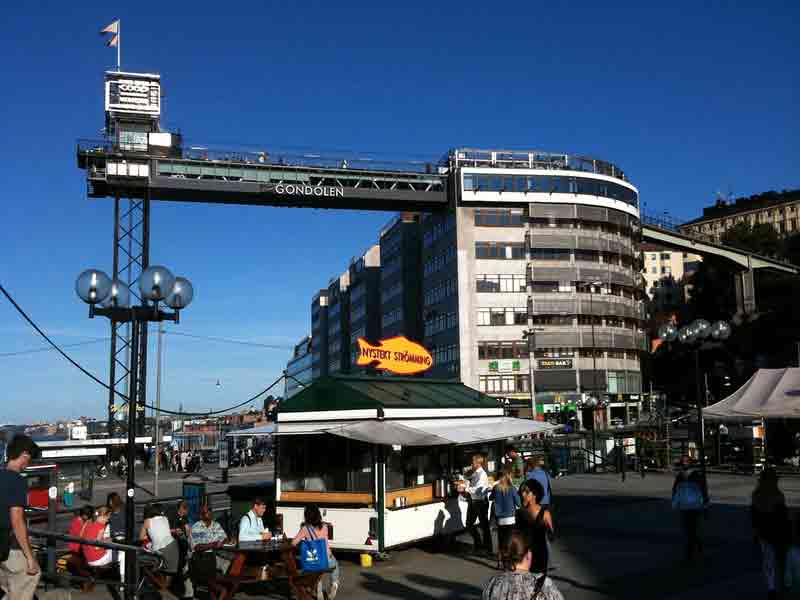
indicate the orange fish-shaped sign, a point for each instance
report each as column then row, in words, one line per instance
column 398, row 355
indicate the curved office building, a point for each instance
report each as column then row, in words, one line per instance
column 544, row 242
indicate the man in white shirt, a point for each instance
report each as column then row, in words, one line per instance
column 478, row 491
column 251, row 527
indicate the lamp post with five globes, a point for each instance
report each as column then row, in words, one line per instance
column 696, row 335
column 111, row 299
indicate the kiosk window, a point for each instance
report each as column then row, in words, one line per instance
column 412, row 466
column 324, row 463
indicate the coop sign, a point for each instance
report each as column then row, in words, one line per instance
column 291, row 189
column 396, row 355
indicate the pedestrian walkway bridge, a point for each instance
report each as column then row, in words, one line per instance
column 263, row 178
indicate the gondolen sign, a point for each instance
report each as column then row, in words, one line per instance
column 291, row 189
column 396, row 355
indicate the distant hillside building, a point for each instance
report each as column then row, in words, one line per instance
column 665, row 272
column 781, row 210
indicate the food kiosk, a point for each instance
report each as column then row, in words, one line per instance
column 379, row 456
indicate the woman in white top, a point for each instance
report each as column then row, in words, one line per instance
column 158, row 537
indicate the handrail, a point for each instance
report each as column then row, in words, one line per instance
column 44, row 533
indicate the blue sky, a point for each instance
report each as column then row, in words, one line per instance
column 688, row 98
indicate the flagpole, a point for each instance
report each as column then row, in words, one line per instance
column 119, row 45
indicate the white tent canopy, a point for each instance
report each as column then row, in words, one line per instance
column 770, row 393
column 412, row 432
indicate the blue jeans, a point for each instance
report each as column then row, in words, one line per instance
column 334, row 564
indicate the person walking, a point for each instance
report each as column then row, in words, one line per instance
column 540, row 474
column 772, row 529
column 522, row 582
column 536, row 521
column 690, row 499
column 314, row 528
column 19, row 569
column 506, row 503
column 477, row 489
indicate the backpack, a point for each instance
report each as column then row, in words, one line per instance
column 314, row 553
column 687, row 496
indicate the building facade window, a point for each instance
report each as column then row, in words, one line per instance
column 500, row 250
column 500, row 283
column 504, row 384
column 499, row 217
column 502, row 316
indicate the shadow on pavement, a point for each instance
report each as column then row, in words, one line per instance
column 620, row 546
column 376, row 584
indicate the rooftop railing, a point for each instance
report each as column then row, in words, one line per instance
column 272, row 157
column 524, row 159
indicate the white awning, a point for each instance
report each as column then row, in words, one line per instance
column 439, row 432
column 770, row 393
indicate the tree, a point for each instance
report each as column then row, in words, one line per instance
column 760, row 238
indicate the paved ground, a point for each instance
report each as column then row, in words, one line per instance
column 615, row 540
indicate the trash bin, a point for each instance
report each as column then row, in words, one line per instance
column 242, row 497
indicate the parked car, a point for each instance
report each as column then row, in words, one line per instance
column 210, row 456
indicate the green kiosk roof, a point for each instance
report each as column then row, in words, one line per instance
column 342, row 392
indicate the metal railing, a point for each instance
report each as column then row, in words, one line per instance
column 350, row 161
column 532, row 159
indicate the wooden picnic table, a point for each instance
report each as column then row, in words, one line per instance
column 269, row 560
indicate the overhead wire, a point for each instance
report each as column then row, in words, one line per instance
column 49, row 349
column 125, row 398
column 229, row 341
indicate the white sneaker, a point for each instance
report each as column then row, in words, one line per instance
column 333, row 591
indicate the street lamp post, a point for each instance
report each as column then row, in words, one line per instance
column 696, row 335
column 111, row 299
column 594, row 399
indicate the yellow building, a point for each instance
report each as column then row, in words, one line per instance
column 781, row 210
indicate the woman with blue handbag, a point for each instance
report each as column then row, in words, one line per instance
column 315, row 549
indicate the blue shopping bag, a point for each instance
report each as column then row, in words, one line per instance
column 313, row 553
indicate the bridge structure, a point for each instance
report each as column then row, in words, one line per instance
column 743, row 263
column 138, row 163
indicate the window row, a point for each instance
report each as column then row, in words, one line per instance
column 595, row 256
column 390, row 245
column 359, row 312
column 504, row 384
column 358, row 333
column 440, row 322
column 442, row 290
column 502, row 316
column 550, row 184
column 439, row 228
column 394, row 290
column 500, row 283
column 612, row 229
column 438, row 262
column 499, row 217
column 391, row 267
column 445, row 354
column 552, row 287
column 392, row 317
column 500, row 250
column 519, row 349
column 357, row 292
